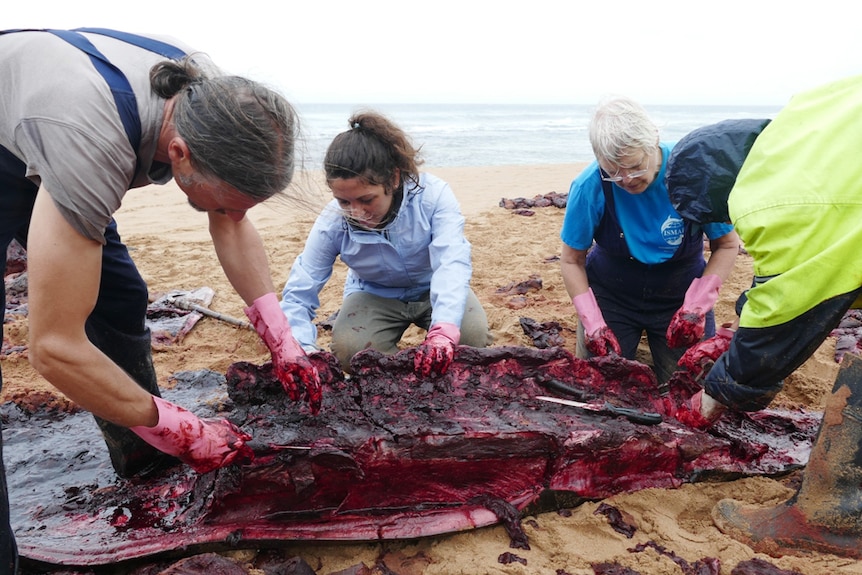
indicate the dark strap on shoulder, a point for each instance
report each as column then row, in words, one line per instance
column 124, row 96
column 609, row 232
column 157, row 46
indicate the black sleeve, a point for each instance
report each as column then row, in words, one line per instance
column 751, row 372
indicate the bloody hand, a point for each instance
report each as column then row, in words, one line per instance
column 598, row 337
column 435, row 354
column 688, row 323
column 291, row 365
column 685, row 328
column 689, row 413
column 204, row 445
column 602, row 342
column 297, row 374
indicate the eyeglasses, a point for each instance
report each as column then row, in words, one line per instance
column 617, row 177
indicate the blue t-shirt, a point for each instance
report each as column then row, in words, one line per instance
column 653, row 230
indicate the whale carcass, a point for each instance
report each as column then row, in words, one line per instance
column 390, row 455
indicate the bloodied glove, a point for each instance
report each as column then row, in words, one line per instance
column 435, row 354
column 598, row 337
column 204, row 445
column 291, row 365
column 699, row 358
column 699, row 411
column 688, row 323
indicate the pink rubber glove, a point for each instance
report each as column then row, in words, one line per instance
column 699, row 358
column 688, row 323
column 204, row 445
column 289, row 361
column 598, row 337
column 700, row 411
column 708, row 408
column 435, row 354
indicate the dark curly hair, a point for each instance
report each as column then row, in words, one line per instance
column 372, row 149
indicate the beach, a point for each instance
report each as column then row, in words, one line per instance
column 170, row 244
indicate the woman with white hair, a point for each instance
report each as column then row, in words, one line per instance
column 630, row 262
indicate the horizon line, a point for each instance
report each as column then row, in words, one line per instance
column 473, row 103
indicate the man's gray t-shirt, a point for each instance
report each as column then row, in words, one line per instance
column 57, row 115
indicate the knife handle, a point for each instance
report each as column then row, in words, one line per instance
column 560, row 387
column 633, row 415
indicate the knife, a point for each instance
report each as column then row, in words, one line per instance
column 633, row 415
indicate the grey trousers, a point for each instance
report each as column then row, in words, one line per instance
column 369, row 321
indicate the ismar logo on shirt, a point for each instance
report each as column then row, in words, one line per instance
column 672, row 230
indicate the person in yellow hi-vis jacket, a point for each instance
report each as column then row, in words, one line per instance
column 797, row 206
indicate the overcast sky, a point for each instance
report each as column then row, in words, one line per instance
column 365, row 52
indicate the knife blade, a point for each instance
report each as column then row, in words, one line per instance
column 262, row 447
column 633, row 415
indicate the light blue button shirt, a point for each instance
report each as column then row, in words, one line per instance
column 423, row 249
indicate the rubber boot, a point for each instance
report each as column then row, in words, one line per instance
column 825, row 515
column 130, row 455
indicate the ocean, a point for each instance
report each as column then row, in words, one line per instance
column 502, row 134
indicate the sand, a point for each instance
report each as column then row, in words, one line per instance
column 170, row 244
